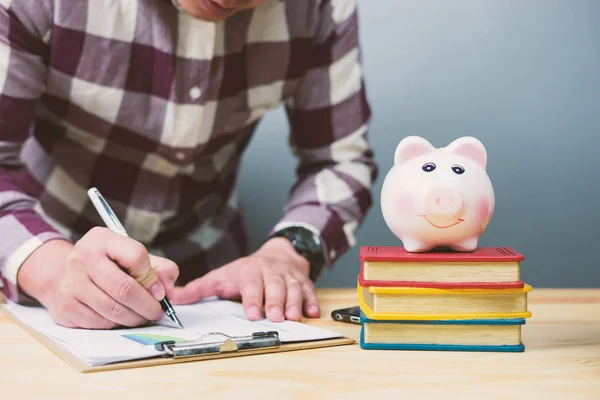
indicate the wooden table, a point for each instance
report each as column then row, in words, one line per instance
column 561, row 361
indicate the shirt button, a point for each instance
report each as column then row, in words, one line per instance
column 195, row 93
column 332, row 253
column 180, row 156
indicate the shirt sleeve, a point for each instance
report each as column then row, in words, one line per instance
column 329, row 115
column 23, row 24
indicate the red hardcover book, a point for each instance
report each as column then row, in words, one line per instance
column 486, row 267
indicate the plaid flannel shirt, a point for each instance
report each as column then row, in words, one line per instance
column 155, row 108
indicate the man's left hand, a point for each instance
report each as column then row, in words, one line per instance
column 275, row 273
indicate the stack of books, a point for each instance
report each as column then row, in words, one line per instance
column 442, row 300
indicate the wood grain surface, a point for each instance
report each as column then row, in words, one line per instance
column 561, row 361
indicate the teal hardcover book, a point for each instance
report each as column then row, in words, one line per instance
column 475, row 335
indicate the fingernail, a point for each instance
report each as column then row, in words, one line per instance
column 254, row 312
column 293, row 312
column 158, row 291
column 313, row 310
column 171, row 283
column 275, row 312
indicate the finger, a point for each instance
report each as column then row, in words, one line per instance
column 103, row 304
column 198, row 289
column 311, row 303
column 167, row 272
column 275, row 290
column 58, row 315
column 133, row 257
column 251, row 289
column 124, row 289
column 293, row 302
column 81, row 316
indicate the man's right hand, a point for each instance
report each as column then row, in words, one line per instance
column 85, row 286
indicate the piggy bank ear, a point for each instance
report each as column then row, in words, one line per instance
column 470, row 148
column 411, row 147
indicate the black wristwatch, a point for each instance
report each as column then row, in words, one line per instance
column 308, row 245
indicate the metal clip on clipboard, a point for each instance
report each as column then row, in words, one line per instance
column 256, row 341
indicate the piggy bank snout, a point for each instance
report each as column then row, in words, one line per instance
column 444, row 202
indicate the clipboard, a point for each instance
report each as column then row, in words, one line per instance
column 266, row 342
column 258, row 340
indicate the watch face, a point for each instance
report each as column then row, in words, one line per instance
column 307, row 240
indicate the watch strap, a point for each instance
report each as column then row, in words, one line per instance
column 307, row 244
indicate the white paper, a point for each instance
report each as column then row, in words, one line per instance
column 98, row 347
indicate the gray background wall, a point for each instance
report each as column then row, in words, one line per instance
column 522, row 76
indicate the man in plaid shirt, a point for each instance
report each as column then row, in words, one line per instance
column 153, row 102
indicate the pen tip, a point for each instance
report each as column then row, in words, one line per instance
column 177, row 321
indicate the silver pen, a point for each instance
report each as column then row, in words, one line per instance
column 113, row 223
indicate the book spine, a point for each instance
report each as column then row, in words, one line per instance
column 437, row 285
column 442, row 285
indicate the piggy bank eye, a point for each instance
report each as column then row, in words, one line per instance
column 458, row 169
column 428, row 167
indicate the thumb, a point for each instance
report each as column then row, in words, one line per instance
column 166, row 271
column 198, row 289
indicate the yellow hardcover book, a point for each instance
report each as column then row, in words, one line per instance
column 410, row 303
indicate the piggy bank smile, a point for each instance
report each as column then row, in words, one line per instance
column 438, row 197
column 441, row 225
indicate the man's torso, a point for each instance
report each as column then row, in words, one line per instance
column 154, row 108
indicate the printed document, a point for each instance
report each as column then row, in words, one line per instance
column 100, row 347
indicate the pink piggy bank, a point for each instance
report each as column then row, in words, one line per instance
column 438, row 197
